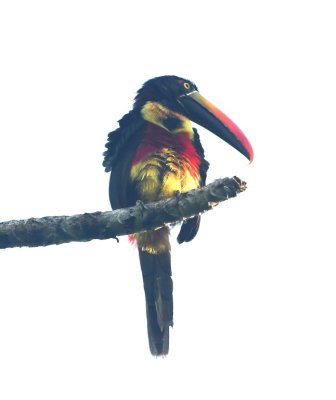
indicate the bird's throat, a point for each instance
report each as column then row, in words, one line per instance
column 167, row 119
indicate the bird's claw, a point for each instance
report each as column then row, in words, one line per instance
column 141, row 204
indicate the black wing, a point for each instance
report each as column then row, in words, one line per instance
column 121, row 146
column 190, row 227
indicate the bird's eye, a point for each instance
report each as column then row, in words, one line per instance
column 186, row 85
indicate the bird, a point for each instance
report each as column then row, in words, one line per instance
column 156, row 153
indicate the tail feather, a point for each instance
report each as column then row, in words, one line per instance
column 189, row 229
column 158, row 286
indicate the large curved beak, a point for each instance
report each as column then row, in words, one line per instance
column 204, row 113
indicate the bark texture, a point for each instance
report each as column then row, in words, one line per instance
column 46, row 231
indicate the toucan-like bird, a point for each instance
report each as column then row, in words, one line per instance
column 154, row 154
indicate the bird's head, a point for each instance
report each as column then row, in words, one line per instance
column 182, row 96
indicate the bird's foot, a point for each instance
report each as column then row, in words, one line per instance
column 177, row 194
column 141, row 205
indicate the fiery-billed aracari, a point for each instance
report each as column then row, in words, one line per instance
column 156, row 153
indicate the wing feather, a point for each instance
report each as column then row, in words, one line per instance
column 121, row 146
column 190, row 227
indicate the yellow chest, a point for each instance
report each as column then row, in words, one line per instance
column 163, row 174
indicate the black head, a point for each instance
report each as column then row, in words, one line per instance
column 165, row 90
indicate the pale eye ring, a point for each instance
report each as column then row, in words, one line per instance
column 186, row 85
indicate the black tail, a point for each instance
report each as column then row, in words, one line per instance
column 158, row 285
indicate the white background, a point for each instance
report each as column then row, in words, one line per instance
column 255, row 291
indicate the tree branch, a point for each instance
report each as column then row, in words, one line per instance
column 45, row 231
